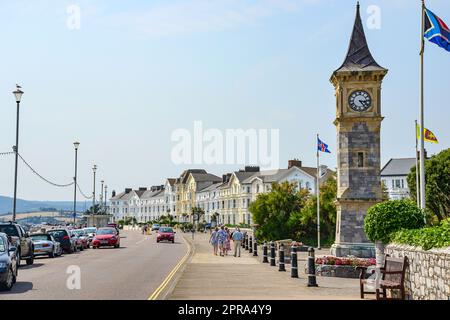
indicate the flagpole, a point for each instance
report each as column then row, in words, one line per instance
column 318, row 196
column 422, row 120
column 417, row 167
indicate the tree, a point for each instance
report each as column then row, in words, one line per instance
column 384, row 219
column 304, row 223
column 272, row 211
column 437, row 176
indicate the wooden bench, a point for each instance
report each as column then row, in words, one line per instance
column 392, row 278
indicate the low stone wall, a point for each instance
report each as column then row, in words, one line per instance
column 427, row 274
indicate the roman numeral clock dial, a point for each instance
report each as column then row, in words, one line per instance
column 360, row 101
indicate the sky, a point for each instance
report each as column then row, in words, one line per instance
column 128, row 74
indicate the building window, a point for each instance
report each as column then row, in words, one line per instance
column 360, row 159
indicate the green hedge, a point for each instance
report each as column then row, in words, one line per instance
column 427, row 238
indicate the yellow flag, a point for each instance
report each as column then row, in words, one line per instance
column 428, row 135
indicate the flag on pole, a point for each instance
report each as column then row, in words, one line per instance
column 436, row 30
column 322, row 147
column 428, row 135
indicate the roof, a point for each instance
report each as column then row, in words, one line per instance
column 123, row 196
column 359, row 57
column 205, row 177
column 398, row 167
column 171, row 181
column 242, row 175
column 151, row 194
column 211, row 187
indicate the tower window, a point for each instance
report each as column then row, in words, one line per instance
column 360, row 159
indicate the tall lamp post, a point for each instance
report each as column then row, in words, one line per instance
column 101, row 196
column 76, row 145
column 106, row 195
column 94, row 169
column 18, row 94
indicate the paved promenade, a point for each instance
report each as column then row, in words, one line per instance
column 209, row 277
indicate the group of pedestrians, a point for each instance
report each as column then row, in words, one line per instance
column 221, row 241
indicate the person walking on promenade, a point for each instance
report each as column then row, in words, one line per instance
column 222, row 237
column 227, row 241
column 237, row 241
column 213, row 239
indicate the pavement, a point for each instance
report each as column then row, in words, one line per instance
column 209, row 277
column 132, row 272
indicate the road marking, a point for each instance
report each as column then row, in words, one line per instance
column 169, row 277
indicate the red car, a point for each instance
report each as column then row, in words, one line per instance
column 106, row 237
column 165, row 234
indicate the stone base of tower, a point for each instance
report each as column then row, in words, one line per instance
column 359, row 250
column 351, row 240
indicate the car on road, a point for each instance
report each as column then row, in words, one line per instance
column 46, row 245
column 165, row 234
column 63, row 236
column 8, row 263
column 83, row 236
column 77, row 239
column 106, row 237
column 155, row 227
column 115, row 226
column 90, row 231
column 21, row 240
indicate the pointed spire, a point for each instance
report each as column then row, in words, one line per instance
column 359, row 57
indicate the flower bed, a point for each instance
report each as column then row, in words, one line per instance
column 330, row 266
column 349, row 261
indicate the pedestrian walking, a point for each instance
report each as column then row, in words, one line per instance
column 237, row 241
column 227, row 241
column 213, row 239
column 222, row 237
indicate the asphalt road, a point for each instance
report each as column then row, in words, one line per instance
column 133, row 271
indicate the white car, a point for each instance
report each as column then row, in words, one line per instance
column 46, row 245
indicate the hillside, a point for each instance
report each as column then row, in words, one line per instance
column 6, row 205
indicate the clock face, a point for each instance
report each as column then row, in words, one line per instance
column 360, row 101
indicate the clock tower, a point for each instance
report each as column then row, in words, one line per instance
column 358, row 121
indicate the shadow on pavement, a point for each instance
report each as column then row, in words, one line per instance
column 34, row 265
column 19, row 287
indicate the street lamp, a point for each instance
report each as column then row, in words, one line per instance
column 101, row 195
column 76, row 144
column 94, row 169
column 18, row 95
column 106, row 195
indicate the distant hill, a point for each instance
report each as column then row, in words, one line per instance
column 6, row 205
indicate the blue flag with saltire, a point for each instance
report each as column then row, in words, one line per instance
column 436, row 30
column 322, row 147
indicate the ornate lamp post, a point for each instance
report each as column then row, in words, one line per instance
column 18, row 94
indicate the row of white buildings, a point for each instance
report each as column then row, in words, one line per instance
column 224, row 199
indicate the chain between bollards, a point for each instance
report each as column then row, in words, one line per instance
column 265, row 257
column 272, row 254
column 281, row 259
column 294, row 264
column 311, row 268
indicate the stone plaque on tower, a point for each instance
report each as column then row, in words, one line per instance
column 358, row 122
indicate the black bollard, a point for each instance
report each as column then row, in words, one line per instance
column 246, row 242
column 311, row 268
column 255, row 248
column 243, row 241
column 294, row 264
column 272, row 254
column 281, row 259
column 250, row 245
column 265, row 258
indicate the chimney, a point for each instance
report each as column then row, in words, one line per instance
column 142, row 189
column 294, row 163
column 224, row 178
column 113, row 193
column 128, row 190
column 252, row 169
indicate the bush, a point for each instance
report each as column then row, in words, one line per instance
column 427, row 238
column 388, row 217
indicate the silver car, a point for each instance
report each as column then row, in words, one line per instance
column 90, row 231
column 46, row 245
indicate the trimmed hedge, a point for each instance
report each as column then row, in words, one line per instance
column 388, row 217
column 427, row 238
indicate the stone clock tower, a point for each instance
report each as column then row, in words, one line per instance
column 358, row 122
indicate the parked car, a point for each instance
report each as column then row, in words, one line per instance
column 114, row 225
column 46, row 245
column 21, row 240
column 63, row 236
column 165, row 234
column 90, row 231
column 106, row 237
column 83, row 236
column 8, row 263
column 77, row 239
column 155, row 227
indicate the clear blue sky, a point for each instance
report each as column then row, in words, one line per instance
column 137, row 70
